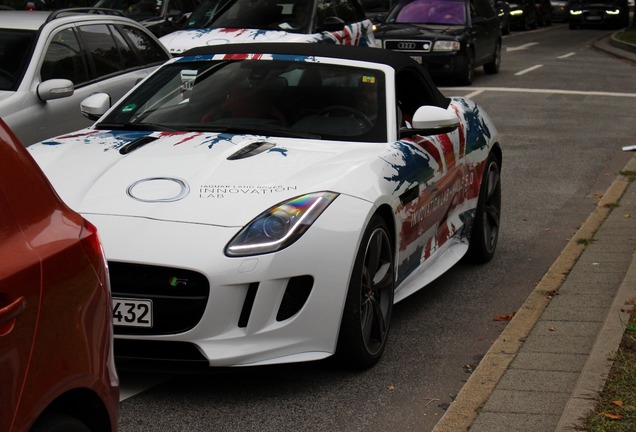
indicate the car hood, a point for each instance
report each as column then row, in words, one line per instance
column 196, row 177
column 182, row 40
column 428, row 31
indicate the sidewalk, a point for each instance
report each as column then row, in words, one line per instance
column 546, row 368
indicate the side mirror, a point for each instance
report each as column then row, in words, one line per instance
column 94, row 106
column 332, row 24
column 431, row 120
column 55, row 89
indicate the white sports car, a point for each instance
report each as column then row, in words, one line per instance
column 269, row 203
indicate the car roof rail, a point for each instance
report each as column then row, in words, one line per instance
column 83, row 10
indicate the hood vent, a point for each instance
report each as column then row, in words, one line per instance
column 250, row 150
column 138, row 143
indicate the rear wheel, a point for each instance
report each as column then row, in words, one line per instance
column 495, row 63
column 369, row 303
column 467, row 69
column 485, row 231
column 58, row 422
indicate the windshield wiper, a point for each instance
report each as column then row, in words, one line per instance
column 135, row 126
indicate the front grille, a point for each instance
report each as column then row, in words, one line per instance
column 409, row 45
column 178, row 296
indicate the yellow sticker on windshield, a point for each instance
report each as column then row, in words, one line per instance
column 368, row 79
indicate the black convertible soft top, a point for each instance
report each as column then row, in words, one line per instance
column 403, row 65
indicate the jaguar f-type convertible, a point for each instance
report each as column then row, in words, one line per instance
column 270, row 203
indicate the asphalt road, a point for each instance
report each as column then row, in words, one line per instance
column 564, row 111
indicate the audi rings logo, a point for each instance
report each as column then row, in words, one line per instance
column 406, row 45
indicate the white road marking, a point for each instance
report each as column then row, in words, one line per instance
column 530, row 69
column 521, row 47
column 566, row 55
column 547, row 91
column 473, row 94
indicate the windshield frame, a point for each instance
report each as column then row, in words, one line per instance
column 180, row 95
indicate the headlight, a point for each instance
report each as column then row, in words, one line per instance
column 576, row 12
column 280, row 226
column 613, row 12
column 446, row 46
column 516, row 12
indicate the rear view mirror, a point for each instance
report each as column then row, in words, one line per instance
column 94, row 106
column 55, row 89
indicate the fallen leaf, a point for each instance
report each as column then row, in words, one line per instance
column 617, row 403
column 391, row 387
column 611, row 416
column 627, row 216
column 552, row 329
column 547, row 229
column 504, row 317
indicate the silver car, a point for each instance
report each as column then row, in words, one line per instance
column 51, row 61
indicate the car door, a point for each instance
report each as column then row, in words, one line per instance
column 485, row 30
column 430, row 216
column 19, row 297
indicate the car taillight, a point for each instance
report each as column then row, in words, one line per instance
column 89, row 238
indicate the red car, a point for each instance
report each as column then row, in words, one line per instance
column 56, row 358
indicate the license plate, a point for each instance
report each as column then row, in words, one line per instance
column 132, row 312
column 417, row 59
column 593, row 18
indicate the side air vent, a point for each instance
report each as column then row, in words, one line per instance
column 251, row 150
column 296, row 294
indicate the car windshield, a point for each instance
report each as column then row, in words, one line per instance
column 15, row 53
column 262, row 97
column 288, row 15
column 429, row 12
column 138, row 10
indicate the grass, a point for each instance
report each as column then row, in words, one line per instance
column 616, row 404
column 628, row 35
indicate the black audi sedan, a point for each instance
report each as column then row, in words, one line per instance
column 598, row 13
column 449, row 37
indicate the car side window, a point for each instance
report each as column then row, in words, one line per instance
column 482, row 9
column 64, row 59
column 102, row 49
column 149, row 50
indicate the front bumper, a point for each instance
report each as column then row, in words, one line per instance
column 275, row 308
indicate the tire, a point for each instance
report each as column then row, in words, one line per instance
column 493, row 67
column 485, row 230
column 58, row 422
column 369, row 304
column 466, row 72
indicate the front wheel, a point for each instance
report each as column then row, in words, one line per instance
column 485, row 231
column 369, row 303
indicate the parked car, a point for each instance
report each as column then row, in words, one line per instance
column 51, row 61
column 450, row 37
column 523, row 15
column 269, row 203
column 544, row 12
column 235, row 21
column 161, row 17
column 56, row 349
column 560, row 10
column 599, row 13
column 502, row 8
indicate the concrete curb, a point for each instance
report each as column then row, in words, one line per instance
column 620, row 44
column 475, row 393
